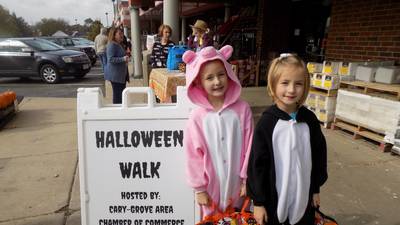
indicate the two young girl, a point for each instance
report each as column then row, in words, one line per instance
column 287, row 163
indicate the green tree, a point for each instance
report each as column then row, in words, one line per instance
column 48, row 26
column 94, row 29
column 23, row 28
column 13, row 26
column 88, row 22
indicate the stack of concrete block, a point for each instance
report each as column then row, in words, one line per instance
column 388, row 75
column 396, row 146
column 380, row 71
column 377, row 114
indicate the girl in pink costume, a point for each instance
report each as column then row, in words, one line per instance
column 219, row 131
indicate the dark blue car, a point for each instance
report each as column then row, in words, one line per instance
column 25, row 57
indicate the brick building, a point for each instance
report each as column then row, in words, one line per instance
column 362, row 30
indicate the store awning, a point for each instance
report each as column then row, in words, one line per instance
column 188, row 9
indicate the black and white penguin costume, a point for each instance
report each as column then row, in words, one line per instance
column 287, row 165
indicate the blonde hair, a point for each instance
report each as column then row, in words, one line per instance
column 162, row 28
column 112, row 32
column 277, row 68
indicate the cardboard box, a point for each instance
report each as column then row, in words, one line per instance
column 330, row 82
column 348, row 68
column 330, row 67
column 318, row 79
column 326, row 103
column 311, row 100
column 325, row 115
column 388, row 75
column 314, row 67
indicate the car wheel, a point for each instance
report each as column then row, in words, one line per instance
column 80, row 75
column 49, row 74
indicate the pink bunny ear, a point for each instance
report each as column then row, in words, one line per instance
column 188, row 56
column 226, row 51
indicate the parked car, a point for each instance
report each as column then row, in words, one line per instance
column 25, row 57
column 68, row 43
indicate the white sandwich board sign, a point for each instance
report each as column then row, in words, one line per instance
column 131, row 161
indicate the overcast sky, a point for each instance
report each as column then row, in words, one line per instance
column 34, row 10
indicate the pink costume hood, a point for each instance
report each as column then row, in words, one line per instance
column 194, row 62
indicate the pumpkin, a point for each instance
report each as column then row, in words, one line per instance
column 7, row 98
column 3, row 102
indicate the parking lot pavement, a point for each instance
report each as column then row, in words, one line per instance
column 35, row 87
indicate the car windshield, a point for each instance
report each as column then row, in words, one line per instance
column 42, row 45
column 66, row 42
column 82, row 41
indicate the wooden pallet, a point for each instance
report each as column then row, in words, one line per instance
column 391, row 91
column 361, row 132
column 325, row 92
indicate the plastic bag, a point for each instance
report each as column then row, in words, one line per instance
column 230, row 216
column 322, row 219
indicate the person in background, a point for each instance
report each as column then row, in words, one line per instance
column 100, row 43
column 126, row 44
column 159, row 53
column 200, row 37
column 116, row 69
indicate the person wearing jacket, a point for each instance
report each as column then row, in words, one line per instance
column 200, row 37
column 100, row 44
column 116, row 69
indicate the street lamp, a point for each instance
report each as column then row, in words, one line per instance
column 113, row 7
column 107, row 18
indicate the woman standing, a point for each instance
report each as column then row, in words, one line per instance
column 200, row 37
column 159, row 53
column 116, row 69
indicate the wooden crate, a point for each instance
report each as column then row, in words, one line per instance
column 389, row 91
column 327, row 93
column 361, row 132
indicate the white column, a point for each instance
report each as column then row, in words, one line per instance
column 136, row 44
column 126, row 31
column 171, row 17
column 183, row 28
column 116, row 10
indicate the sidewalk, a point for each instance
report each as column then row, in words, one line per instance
column 39, row 182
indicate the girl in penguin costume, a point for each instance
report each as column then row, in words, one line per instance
column 218, row 134
column 288, row 159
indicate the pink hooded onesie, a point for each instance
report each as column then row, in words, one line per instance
column 217, row 143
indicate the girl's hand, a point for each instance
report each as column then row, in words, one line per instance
column 316, row 200
column 243, row 190
column 203, row 198
column 260, row 214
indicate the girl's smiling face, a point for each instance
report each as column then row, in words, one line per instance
column 289, row 89
column 213, row 79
